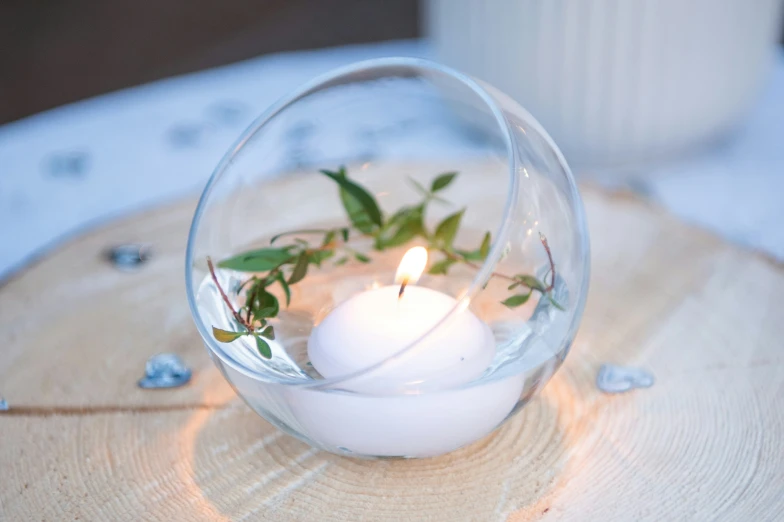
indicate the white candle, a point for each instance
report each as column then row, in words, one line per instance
column 374, row 418
column 374, row 325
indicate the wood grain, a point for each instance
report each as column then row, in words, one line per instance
column 704, row 443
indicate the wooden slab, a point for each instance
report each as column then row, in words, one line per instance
column 81, row 441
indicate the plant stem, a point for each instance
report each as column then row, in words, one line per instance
column 550, row 258
column 404, row 225
column 460, row 259
column 447, row 253
column 235, row 313
column 542, row 238
column 303, row 231
column 250, row 299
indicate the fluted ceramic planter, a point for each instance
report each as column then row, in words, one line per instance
column 616, row 83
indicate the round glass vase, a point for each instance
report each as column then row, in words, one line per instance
column 294, row 248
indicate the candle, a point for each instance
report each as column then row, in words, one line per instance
column 374, row 325
column 369, row 415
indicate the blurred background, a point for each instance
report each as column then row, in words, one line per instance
column 110, row 107
column 53, row 53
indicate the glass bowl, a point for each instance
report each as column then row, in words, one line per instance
column 321, row 198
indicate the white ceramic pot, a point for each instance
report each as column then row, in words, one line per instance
column 615, row 82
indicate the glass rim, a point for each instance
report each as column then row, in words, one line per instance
column 334, row 78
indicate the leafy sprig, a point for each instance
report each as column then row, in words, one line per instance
column 287, row 265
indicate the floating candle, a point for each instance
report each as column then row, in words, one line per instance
column 374, row 325
column 383, row 412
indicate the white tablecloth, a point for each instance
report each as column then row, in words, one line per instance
column 81, row 164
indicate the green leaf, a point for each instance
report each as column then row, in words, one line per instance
column 484, row 248
column 514, row 285
column 294, row 232
column 404, row 234
column 402, row 227
column 263, row 347
column 224, row 336
column 531, row 282
column 342, row 261
column 259, row 260
column 362, row 258
column 441, row 267
column 329, row 237
column 469, row 256
column 268, row 332
column 480, row 254
column 265, row 305
column 247, row 281
column 442, row 181
column 359, row 203
column 286, row 290
column 400, row 217
column 320, row 256
column 555, row 303
column 418, row 186
column 357, row 214
column 300, row 269
column 516, row 300
column 447, row 229
column 344, row 233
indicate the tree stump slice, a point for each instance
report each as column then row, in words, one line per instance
column 81, row 441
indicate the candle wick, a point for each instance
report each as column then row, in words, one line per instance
column 402, row 288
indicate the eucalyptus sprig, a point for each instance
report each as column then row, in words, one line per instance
column 288, row 264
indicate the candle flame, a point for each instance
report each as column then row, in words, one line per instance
column 411, row 266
